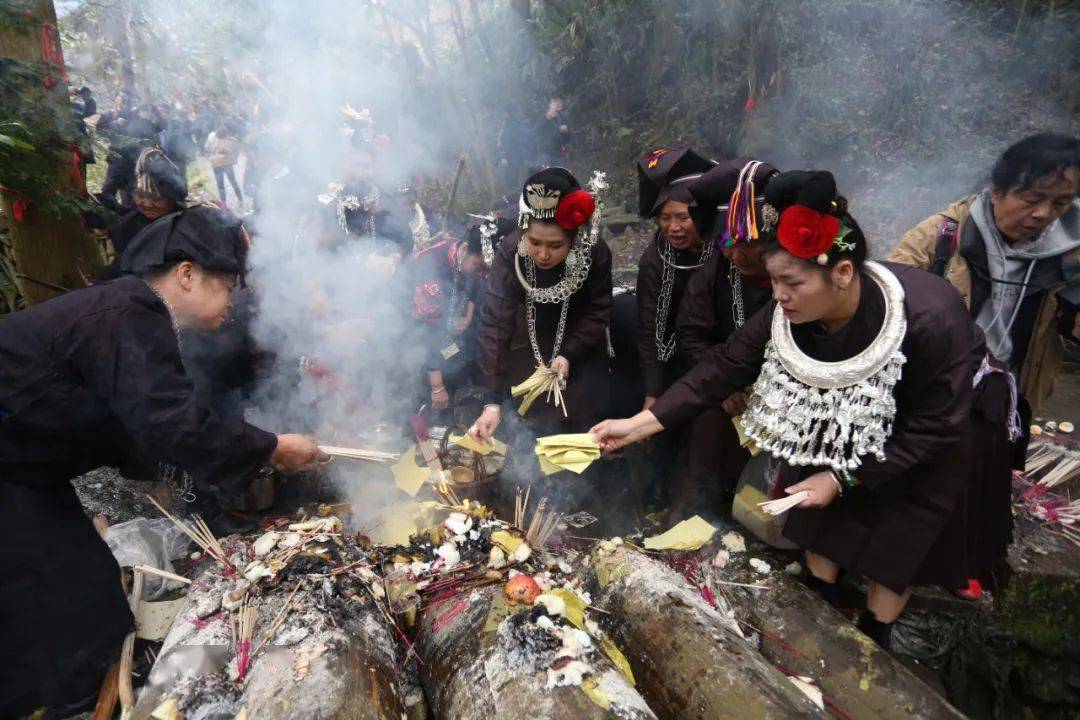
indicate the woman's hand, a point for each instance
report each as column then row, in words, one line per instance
column 296, row 452
column 822, row 487
column 484, row 428
column 562, row 366
column 615, row 434
column 440, row 398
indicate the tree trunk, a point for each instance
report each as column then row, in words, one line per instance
column 806, row 636
column 689, row 660
column 50, row 254
column 330, row 669
column 472, row 672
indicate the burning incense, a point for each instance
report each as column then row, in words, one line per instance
column 200, row 534
column 278, row 619
column 542, row 526
column 359, row 454
column 243, row 627
column 778, row 507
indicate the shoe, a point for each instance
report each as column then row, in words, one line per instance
column 879, row 632
column 829, row 592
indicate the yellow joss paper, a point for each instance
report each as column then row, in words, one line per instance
column 409, row 476
column 576, row 440
column 548, row 467
column 468, row 443
column 687, row 535
column 566, row 452
column 745, row 440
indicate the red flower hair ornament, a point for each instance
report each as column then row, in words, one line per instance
column 806, row 233
column 574, row 210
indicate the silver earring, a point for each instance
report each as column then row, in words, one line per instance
column 521, row 248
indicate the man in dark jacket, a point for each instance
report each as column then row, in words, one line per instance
column 85, row 380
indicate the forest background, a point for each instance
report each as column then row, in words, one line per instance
column 908, row 103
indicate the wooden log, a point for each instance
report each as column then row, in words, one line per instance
column 328, row 660
column 474, row 671
column 807, row 636
column 689, row 658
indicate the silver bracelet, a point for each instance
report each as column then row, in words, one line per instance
column 492, row 406
column 836, row 480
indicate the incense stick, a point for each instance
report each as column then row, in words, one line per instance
column 278, row 619
column 359, row 454
column 778, row 507
column 162, row 573
column 243, row 627
column 200, row 534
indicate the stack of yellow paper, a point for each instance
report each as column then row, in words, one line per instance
column 544, row 380
column 687, row 535
column 496, row 446
column 566, row 452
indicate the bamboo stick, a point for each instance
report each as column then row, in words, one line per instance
column 162, row 573
column 359, row 453
column 127, row 692
column 782, row 505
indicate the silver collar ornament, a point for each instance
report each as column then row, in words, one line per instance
column 829, row 414
column 575, row 271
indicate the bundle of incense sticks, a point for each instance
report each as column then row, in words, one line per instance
column 243, row 627
column 543, row 381
column 541, row 527
column 358, row 453
column 1053, row 461
column 777, row 507
column 199, row 533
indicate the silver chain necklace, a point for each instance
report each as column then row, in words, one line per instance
column 665, row 346
column 530, row 318
column 738, row 312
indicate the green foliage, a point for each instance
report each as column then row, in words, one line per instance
column 36, row 136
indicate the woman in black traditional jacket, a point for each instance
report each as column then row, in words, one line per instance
column 862, row 378
column 547, row 303
column 85, row 379
column 730, row 287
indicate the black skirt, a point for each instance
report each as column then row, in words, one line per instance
column 63, row 615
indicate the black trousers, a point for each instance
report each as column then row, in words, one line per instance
column 220, row 173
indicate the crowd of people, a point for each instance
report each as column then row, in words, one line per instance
column 895, row 395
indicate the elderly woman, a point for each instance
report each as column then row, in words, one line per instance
column 1013, row 252
column 862, row 386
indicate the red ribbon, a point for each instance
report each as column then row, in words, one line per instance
column 51, row 54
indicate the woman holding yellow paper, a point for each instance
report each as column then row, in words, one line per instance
column 545, row 312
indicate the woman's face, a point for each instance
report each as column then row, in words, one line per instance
column 748, row 258
column 153, row 207
column 804, row 293
column 677, row 227
column 1022, row 215
column 547, row 244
